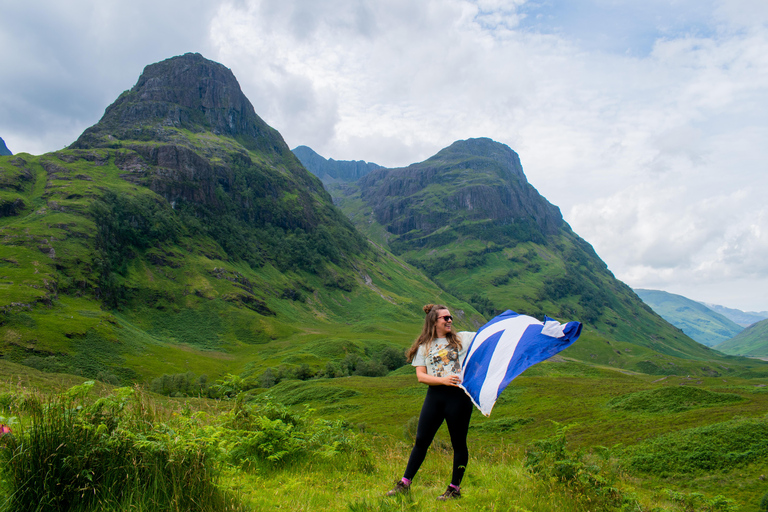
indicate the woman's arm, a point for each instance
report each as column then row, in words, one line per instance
column 431, row 380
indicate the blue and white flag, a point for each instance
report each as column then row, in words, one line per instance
column 505, row 347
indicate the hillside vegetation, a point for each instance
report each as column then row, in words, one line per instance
column 470, row 220
column 752, row 341
column 167, row 241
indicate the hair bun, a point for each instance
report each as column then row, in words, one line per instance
column 428, row 308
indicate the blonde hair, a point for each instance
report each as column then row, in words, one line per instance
column 429, row 332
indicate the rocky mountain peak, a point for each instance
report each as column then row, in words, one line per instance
column 184, row 92
column 474, row 180
column 484, row 148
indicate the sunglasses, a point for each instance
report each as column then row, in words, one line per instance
column 447, row 318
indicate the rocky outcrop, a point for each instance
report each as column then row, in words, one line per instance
column 330, row 170
column 187, row 132
column 187, row 92
column 471, row 180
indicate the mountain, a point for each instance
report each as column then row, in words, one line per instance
column 695, row 319
column 4, row 151
column 752, row 341
column 743, row 318
column 471, row 221
column 180, row 234
column 330, row 170
column 179, row 237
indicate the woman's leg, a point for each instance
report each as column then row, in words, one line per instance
column 457, row 415
column 430, row 419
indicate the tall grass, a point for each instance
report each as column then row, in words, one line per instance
column 122, row 452
column 110, row 454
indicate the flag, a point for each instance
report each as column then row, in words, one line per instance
column 505, row 347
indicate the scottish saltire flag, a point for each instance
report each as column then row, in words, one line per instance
column 504, row 347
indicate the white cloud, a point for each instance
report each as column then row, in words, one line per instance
column 643, row 120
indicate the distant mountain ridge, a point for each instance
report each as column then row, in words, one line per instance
column 743, row 318
column 4, row 151
column 695, row 319
column 330, row 170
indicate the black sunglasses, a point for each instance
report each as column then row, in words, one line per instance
column 447, row 318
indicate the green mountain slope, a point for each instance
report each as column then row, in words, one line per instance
column 695, row 319
column 180, row 234
column 742, row 318
column 468, row 217
column 752, row 341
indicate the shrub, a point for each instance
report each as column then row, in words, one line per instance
column 696, row 501
column 180, row 384
column 586, row 480
column 263, row 433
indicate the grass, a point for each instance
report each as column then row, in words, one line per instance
column 347, row 453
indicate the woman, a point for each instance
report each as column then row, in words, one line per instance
column 437, row 355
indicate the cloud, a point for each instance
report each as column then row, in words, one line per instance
column 643, row 120
column 64, row 62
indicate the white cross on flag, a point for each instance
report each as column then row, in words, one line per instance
column 505, row 347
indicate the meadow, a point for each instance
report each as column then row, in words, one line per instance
column 564, row 436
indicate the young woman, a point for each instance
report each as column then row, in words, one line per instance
column 438, row 354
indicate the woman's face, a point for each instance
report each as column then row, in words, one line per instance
column 444, row 323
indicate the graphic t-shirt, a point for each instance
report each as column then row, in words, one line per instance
column 443, row 360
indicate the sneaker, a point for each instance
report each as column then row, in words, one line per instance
column 400, row 487
column 450, row 493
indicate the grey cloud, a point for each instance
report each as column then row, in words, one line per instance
column 70, row 60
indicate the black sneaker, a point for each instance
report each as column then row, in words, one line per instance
column 400, row 487
column 450, row 494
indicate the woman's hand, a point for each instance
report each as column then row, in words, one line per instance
column 430, row 380
column 452, row 380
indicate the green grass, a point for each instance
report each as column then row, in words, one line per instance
column 598, row 447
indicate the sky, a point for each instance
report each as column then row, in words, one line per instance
column 645, row 121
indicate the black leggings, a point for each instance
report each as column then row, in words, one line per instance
column 455, row 407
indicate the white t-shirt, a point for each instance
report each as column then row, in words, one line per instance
column 442, row 360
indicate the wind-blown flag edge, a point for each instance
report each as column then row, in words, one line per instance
column 521, row 348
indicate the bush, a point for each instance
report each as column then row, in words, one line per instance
column 180, row 384
column 586, row 480
column 264, row 434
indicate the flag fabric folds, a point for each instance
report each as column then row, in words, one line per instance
column 505, row 347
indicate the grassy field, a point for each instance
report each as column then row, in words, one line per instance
column 564, row 436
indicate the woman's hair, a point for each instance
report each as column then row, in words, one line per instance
column 429, row 332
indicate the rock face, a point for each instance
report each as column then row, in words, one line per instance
column 476, row 180
column 4, row 151
column 330, row 170
column 187, row 132
column 188, row 92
